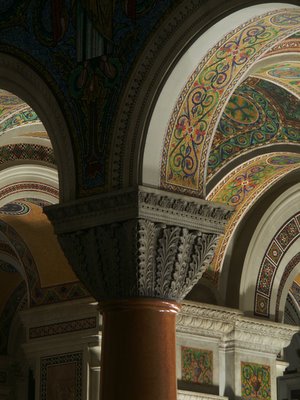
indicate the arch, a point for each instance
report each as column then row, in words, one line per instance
column 256, row 274
column 179, row 155
column 287, row 278
column 20, row 79
column 28, row 180
column 154, row 71
column 39, row 295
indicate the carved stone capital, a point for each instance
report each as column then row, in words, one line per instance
column 139, row 243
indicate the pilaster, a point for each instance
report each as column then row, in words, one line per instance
column 63, row 348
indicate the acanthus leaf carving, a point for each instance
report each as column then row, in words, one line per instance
column 203, row 254
column 148, row 234
column 183, row 257
column 166, row 256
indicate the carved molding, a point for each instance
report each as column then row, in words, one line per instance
column 206, row 320
column 139, row 258
column 263, row 336
column 231, row 328
column 145, row 203
column 185, row 395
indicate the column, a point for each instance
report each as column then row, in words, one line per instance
column 139, row 252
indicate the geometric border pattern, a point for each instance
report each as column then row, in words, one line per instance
column 288, row 270
column 283, row 239
column 61, row 328
column 62, row 359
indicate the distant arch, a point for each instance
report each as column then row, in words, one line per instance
column 20, row 79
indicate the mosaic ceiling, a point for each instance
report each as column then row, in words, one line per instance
column 190, row 141
column 14, row 112
column 241, row 188
column 285, row 74
column 258, row 113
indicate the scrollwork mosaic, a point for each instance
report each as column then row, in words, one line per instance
column 194, row 117
column 258, row 113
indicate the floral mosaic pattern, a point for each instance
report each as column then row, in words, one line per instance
column 254, row 117
column 194, row 118
column 280, row 243
column 285, row 74
column 241, row 188
column 197, row 365
column 256, row 382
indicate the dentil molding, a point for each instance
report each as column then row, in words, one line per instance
column 145, row 203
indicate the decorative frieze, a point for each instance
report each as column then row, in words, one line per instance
column 142, row 242
column 205, row 319
column 143, row 202
column 62, row 328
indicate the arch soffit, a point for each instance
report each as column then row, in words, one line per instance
column 173, row 174
column 291, row 269
column 154, row 74
column 21, row 80
column 283, row 209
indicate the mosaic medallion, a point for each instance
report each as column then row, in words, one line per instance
column 15, row 208
column 197, row 365
column 256, row 382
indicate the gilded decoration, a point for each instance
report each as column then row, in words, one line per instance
column 241, row 188
column 192, row 124
column 197, row 365
column 278, row 246
column 256, row 381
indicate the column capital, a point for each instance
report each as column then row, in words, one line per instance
column 141, row 203
column 139, row 243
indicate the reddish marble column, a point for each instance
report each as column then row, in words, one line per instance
column 139, row 350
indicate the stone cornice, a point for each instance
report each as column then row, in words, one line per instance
column 264, row 336
column 145, row 203
column 206, row 320
column 186, row 395
column 232, row 328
